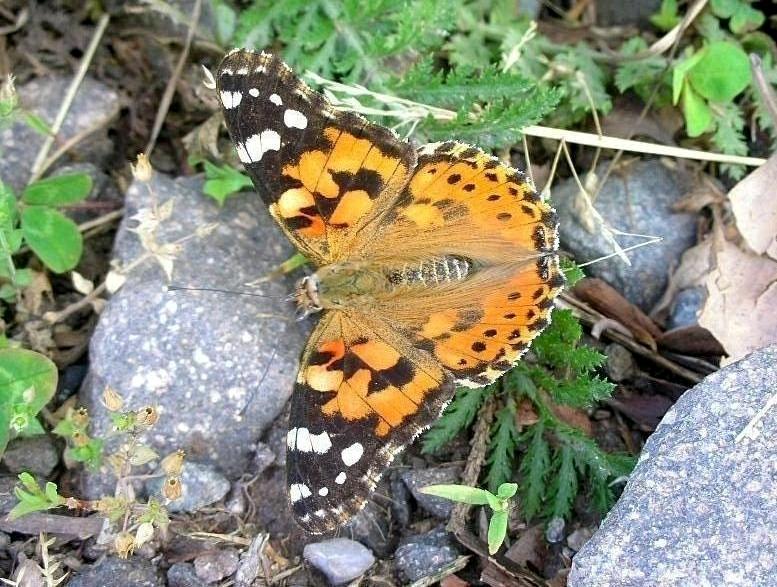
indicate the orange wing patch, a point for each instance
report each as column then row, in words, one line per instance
column 334, row 189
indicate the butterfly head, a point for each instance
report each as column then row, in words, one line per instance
column 306, row 296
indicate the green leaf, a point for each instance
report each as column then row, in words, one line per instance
column 667, row 17
column 53, row 237
column 90, row 453
column 535, row 467
column 572, row 272
column 722, row 73
column 497, row 530
column 9, row 212
column 507, row 490
column 27, row 378
column 457, row 417
column 59, row 190
column 564, row 488
column 746, row 19
column 501, row 449
column 698, row 116
column 680, row 72
column 460, row 493
column 34, row 499
column 222, row 182
column 37, row 124
column 724, row 8
column 226, row 21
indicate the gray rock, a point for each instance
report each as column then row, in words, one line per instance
column 95, row 105
column 620, row 362
column 371, row 527
column 617, row 12
column 637, row 199
column 698, row 508
column 554, row 531
column 422, row 555
column 202, row 485
column 133, row 572
column 35, row 454
column 182, row 575
column 400, row 500
column 216, row 565
column 202, row 357
column 416, row 479
column 263, row 458
column 577, row 539
column 339, row 559
column 686, row 307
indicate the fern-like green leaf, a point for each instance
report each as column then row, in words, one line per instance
column 535, row 467
column 504, row 439
column 458, row 416
column 564, row 487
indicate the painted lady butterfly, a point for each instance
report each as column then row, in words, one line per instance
column 435, row 267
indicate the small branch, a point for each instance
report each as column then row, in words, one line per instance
column 765, row 89
column 167, row 97
column 37, row 167
column 101, row 220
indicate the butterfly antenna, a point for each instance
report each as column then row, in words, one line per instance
column 217, row 290
column 651, row 241
column 264, row 376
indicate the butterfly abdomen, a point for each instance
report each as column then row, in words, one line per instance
column 430, row 272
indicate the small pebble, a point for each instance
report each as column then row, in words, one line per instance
column 216, row 565
column 554, row 532
column 341, row 560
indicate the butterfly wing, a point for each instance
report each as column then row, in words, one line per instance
column 363, row 393
column 463, row 203
column 323, row 173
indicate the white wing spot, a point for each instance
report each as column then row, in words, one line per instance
column 294, row 119
column 298, row 491
column 276, row 99
column 242, row 71
column 261, row 69
column 257, row 145
column 352, row 454
column 302, row 440
column 227, row 71
column 323, row 492
column 340, row 479
column 254, row 92
column 231, row 99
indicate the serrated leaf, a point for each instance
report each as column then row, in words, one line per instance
column 535, row 467
column 564, row 487
column 457, row 417
column 54, row 238
column 501, row 448
column 59, row 190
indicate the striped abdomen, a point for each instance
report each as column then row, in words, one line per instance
column 430, row 272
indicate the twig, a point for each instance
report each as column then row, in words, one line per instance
column 37, row 167
column 101, row 220
column 764, row 87
column 167, row 97
column 458, row 564
column 591, row 316
column 67, row 145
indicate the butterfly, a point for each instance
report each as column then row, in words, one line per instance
column 434, row 268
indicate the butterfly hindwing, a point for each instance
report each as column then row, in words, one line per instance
column 323, row 173
column 362, row 394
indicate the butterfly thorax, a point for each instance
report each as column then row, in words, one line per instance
column 352, row 284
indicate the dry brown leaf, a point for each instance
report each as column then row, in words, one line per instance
column 606, row 299
column 754, row 205
column 741, row 300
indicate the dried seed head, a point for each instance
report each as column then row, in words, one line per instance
column 147, row 416
column 142, row 170
column 124, row 544
column 172, row 488
column 112, row 400
column 144, row 533
column 173, row 463
column 81, row 417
